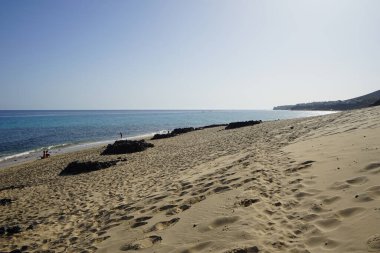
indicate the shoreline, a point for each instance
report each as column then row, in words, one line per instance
column 35, row 153
column 298, row 185
column 28, row 156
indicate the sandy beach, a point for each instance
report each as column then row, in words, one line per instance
column 301, row 185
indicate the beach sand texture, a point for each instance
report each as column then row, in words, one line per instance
column 302, row 185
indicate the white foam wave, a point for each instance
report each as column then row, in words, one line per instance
column 16, row 155
column 59, row 145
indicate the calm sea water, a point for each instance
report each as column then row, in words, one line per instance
column 22, row 132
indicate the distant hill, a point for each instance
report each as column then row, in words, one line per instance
column 371, row 99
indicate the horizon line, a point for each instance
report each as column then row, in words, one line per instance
column 136, row 109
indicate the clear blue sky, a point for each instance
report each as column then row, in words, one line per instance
column 211, row 54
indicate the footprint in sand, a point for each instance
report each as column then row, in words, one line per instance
column 162, row 225
column 310, row 217
column 247, row 202
column 166, row 207
column 328, row 224
column 221, row 189
column 144, row 218
column 142, row 244
column 320, row 241
column 369, row 194
column 317, row 208
column 207, row 185
column 228, row 181
column 300, row 166
column 300, row 195
column 374, row 191
column 352, row 211
column 295, row 181
column 330, row 244
column 126, row 217
column 183, row 193
column 200, row 191
column 373, row 168
column 340, row 186
column 357, row 180
column 177, row 210
column 363, row 197
column 329, row 200
column 138, row 224
column 194, row 200
column 373, row 243
column 307, row 162
column 237, row 185
column 186, row 187
column 245, row 181
column 160, row 197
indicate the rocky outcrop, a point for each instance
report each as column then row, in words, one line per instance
column 126, row 147
column 76, row 167
column 234, row 125
column 211, row 126
column 377, row 103
column 162, row 136
column 178, row 131
column 340, row 105
column 175, row 132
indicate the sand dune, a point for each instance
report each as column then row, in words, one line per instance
column 303, row 185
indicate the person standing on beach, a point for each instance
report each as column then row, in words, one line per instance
column 121, row 135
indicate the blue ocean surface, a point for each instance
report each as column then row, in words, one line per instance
column 22, row 132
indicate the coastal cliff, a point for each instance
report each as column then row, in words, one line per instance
column 371, row 99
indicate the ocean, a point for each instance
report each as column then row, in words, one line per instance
column 26, row 132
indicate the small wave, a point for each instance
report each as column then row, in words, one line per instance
column 59, row 146
column 5, row 158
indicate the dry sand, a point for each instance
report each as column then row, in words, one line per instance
column 303, row 185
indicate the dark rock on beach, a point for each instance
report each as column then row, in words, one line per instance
column 4, row 202
column 9, row 230
column 162, row 136
column 32, row 225
column 13, row 230
column 234, row 125
column 211, row 126
column 179, row 131
column 16, row 251
column 126, row 146
column 182, row 130
column 76, row 167
column 175, row 132
column 377, row 103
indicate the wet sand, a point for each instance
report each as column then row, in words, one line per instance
column 301, row 185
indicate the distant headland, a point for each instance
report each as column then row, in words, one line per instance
column 371, row 99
